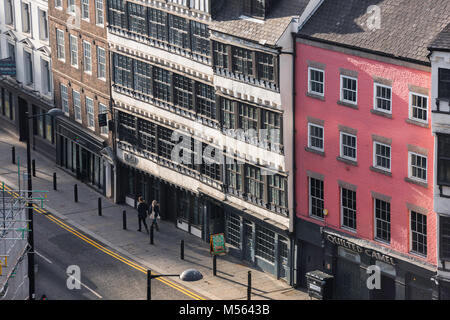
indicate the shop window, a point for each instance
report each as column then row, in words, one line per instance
column 265, row 244
column 233, row 230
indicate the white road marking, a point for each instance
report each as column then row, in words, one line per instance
column 40, row 255
column 95, row 293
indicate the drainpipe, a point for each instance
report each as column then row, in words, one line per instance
column 294, row 163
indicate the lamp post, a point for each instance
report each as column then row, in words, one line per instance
column 187, row 275
column 31, row 280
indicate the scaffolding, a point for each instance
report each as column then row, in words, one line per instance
column 14, row 231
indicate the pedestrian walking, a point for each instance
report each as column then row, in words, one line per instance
column 142, row 213
column 154, row 215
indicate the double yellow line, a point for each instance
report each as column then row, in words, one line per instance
column 107, row 251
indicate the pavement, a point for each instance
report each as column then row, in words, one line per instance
column 230, row 282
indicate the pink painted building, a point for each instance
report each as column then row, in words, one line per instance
column 364, row 153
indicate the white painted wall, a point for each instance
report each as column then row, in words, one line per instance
column 40, row 49
column 440, row 123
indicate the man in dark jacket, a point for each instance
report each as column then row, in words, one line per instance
column 142, row 213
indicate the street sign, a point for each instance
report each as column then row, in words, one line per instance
column 102, row 120
column 7, row 67
column 217, row 243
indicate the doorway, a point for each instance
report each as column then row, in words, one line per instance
column 248, row 241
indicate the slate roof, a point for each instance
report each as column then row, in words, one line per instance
column 407, row 27
column 228, row 21
column 442, row 40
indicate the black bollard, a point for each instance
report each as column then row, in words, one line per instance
column 249, row 286
column 75, row 193
column 124, row 217
column 151, row 234
column 100, row 207
column 54, row 180
column 13, row 154
column 214, row 265
column 149, row 284
column 33, row 166
column 182, row 249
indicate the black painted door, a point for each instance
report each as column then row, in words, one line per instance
column 348, row 282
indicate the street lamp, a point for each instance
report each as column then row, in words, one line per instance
column 187, row 275
column 52, row 112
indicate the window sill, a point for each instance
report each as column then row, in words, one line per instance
column 320, row 153
column 418, row 254
column 417, row 123
column 381, row 113
column 419, row 183
column 385, row 242
column 347, row 104
column 347, row 161
column 315, row 96
column 317, row 218
column 387, row 173
column 348, row 229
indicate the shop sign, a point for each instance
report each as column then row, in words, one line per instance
column 217, row 243
column 361, row 250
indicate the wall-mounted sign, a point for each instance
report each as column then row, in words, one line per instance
column 7, row 67
column 357, row 248
column 217, row 243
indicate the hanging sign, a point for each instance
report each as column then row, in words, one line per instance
column 217, row 243
column 7, row 67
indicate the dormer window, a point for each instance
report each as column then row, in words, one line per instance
column 255, row 8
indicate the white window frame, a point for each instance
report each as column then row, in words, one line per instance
column 342, row 146
column 63, row 100
column 375, row 156
column 77, row 110
column 309, row 81
column 71, row 5
column 410, row 153
column 411, row 234
column 29, row 16
column 342, row 89
column 26, row 70
column 44, row 77
column 73, row 39
column 97, row 13
column 98, row 63
column 310, row 200
column 375, row 85
column 88, row 122
column 342, row 212
column 13, row 20
column 43, row 29
column 411, row 94
column 103, row 130
column 83, row 11
column 309, row 137
column 375, row 222
column 60, row 47
column 87, row 60
column 60, row 6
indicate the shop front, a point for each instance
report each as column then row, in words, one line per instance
column 79, row 153
column 355, row 262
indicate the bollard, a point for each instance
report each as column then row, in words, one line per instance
column 249, row 286
column 75, row 193
column 54, row 180
column 149, row 284
column 182, row 249
column 214, row 265
column 151, row 234
column 100, row 206
column 33, row 166
column 13, row 154
column 124, row 217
